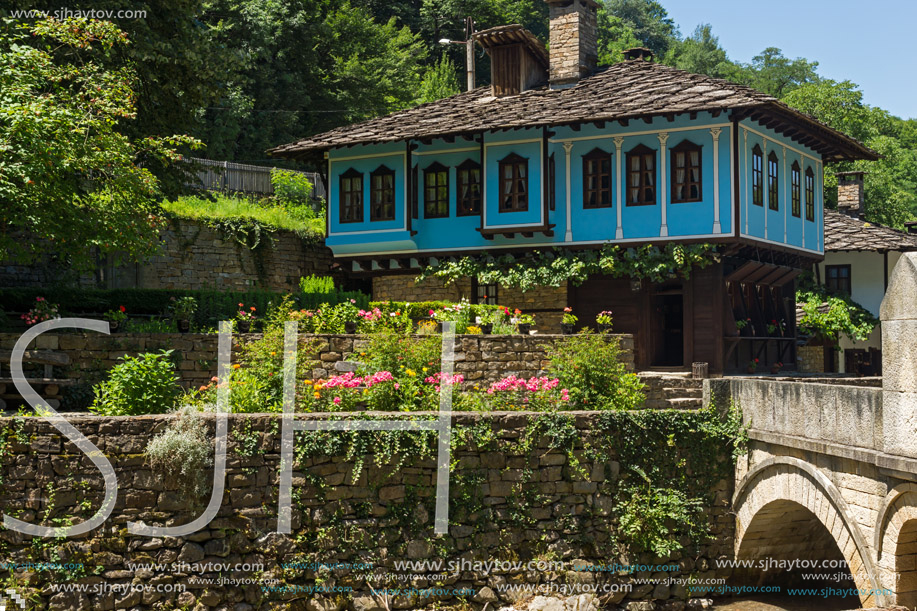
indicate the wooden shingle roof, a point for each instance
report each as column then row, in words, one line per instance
column 846, row 233
column 625, row 91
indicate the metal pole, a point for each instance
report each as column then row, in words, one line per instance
column 469, row 52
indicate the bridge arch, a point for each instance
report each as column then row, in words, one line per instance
column 896, row 543
column 787, row 509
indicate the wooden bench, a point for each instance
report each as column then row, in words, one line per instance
column 48, row 387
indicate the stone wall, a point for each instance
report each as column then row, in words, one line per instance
column 192, row 256
column 546, row 303
column 509, row 501
column 480, row 358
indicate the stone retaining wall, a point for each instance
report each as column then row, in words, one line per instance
column 480, row 358
column 525, row 505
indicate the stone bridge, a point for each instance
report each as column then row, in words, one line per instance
column 831, row 472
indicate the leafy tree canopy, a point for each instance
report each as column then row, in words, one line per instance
column 68, row 175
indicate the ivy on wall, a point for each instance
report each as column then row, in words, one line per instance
column 558, row 266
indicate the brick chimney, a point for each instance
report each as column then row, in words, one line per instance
column 850, row 200
column 573, row 40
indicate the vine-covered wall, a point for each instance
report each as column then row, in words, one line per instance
column 586, row 489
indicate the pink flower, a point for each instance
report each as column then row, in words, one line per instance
column 337, row 400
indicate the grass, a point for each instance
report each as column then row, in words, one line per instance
column 301, row 220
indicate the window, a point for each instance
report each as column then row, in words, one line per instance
column 351, row 197
column 484, row 293
column 469, row 188
column 641, row 176
column 686, row 162
column 597, row 179
column 794, row 188
column 773, row 182
column 436, row 191
column 837, row 279
column 382, row 194
column 810, row 194
column 757, row 176
column 514, row 192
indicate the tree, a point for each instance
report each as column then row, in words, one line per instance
column 440, row 81
column 700, row 53
column 613, row 38
column 70, row 181
column 649, row 22
column 772, row 73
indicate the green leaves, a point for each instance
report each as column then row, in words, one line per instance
column 558, row 266
column 828, row 316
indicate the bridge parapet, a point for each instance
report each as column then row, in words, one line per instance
column 899, row 358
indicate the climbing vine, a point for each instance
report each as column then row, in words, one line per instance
column 559, row 266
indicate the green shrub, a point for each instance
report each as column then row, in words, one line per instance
column 143, row 384
column 182, row 453
column 589, row 365
column 291, row 188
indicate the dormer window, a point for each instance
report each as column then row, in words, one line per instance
column 686, row 168
column 469, row 188
column 795, row 189
column 382, row 194
column 641, row 176
column 436, row 191
column 773, row 182
column 514, row 192
column 757, row 176
column 597, row 179
column 350, row 202
column 810, row 194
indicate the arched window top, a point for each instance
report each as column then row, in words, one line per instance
column 382, row 169
column 686, row 145
column 810, row 173
column 436, row 167
column 756, row 149
column 469, row 164
column 352, row 173
column 596, row 153
column 795, row 166
column 641, row 149
column 514, row 158
column 773, row 157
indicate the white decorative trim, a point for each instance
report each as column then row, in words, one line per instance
column 568, row 234
column 468, row 149
column 715, row 132
column 760, row 239
column 487, row 145
column 369, row 156
column 663, row 171
column 778, row 142
column 619, row 229
column 407, row 196
column 640, row 133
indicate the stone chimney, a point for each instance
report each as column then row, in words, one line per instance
column 850, row 200
column 573, row 40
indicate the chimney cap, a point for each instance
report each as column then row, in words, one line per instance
column 638, row 53
column 589, row 3
column 851, row 175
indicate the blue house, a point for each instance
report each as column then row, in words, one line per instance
column 558, row 153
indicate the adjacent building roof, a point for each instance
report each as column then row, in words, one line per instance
column 847, row 233
column 625, row 91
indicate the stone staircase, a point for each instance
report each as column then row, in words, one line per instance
column 675, row 390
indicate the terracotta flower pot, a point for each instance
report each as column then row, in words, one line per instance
column 184, row 326
column 524, row 328
column 245, row 325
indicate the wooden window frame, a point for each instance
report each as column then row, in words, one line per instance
column 796, row 189
column 757, row 176
column 514, row 199
column 377, row 209
column 484, row 293
column 468, row 205
column 846, row 278
column 686, row 147
column 346, row 195
column 603, row 195
column 436, row 207
column 810, row 194
column 773, row 182
column 642, row 153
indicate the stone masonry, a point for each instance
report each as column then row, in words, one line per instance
column 573, row 33
column 373, row 515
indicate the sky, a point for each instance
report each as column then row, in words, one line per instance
column 873, row 44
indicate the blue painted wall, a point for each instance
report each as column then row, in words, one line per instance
column 589, row 226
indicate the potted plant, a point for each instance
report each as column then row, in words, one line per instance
column 245, row 318
column 183, row 309
column 741, row 323
column 523, row 322
column 42, row 310
column 115, row 318
column 775, row 368
column 604, row 320
column 752, row 366
column 567, row 321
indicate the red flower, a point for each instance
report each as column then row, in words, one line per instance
column 122, row 308
column 756, row 360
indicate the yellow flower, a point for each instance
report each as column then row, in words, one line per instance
column 236, row 366
column 307, row 381
column 425, row 370
column 410, row 372
column 317, row 395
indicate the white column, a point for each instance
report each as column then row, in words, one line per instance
column 715, row 132
column 568, row 235
column 663, row 171
column 619, row 179
column 746, row 166
column 786, row 200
